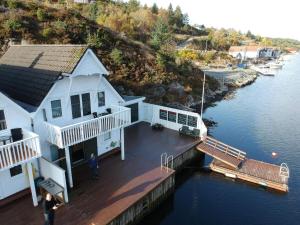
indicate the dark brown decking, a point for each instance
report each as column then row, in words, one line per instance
column 258, row 169
column 121, row 183
column 225, row 158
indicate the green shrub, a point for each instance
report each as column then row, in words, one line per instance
column 116, row 56
column 41, row 14
column 13, row 4
column 47, row 32
column 12, row 25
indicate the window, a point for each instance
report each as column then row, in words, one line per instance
column 172, row 116
column 45, row 115
column 56, row 108
column 75, row 103
column 2, row 120
column 14, row 171
column 163, row 114
column 83, row 104
column 86, row 104
column 182, row 119
column 101, row 99
column 107, row 136
column 192, row 121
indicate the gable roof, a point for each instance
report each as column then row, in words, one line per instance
column 245, row 48
column 27, row 72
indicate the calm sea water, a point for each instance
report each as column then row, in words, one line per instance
column 261, row 118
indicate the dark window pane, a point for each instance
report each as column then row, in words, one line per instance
column 15, row 170
column 192, row 121
column 86, row 104
column 75, row 102
column 56, row 108
column 172, row 116
column 101, row 99
column 182, row 119
column 2, row 120
column 163, row 114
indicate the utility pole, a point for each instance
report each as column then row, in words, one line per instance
column 202, row 101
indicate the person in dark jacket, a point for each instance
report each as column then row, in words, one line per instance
column 93, row 164
column 49, row 207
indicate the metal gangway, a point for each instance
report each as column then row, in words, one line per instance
column 223, row 152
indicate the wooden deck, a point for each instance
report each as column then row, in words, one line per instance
column 254, row 171
column 121, row 183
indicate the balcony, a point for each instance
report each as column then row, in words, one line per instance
column 75, row 133
column 15, row 153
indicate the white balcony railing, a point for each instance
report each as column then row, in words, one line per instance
column 79, row 132
column 19, row 152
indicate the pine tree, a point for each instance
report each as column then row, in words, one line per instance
column 171, row 15
column 161, row 34
column 178, row 17
column 154, row 9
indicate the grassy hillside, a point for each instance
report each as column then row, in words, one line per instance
column 134, row 42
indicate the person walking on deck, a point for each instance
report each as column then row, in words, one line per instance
column 49, row 207
column 93, row 164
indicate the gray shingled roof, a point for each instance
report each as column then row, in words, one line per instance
column 27, row 72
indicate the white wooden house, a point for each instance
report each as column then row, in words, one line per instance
column 253, row 52
column 60, row 96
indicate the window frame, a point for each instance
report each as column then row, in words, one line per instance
column 103, row 92
column 17, row 172
column 52, row 108
column 172, row 116
column 163, row 116
column 4, row 121
column 89, row 112
column 81, row 106
column 79, row 103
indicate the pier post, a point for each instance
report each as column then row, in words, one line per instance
column 122, row 144
column 69, row 167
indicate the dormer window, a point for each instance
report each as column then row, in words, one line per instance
column 2, row 121
column 101, row 99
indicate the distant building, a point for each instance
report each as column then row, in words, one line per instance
column 83, row 1
column 253, row 52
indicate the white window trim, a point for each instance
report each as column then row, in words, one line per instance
column 60, row 108
column 98, row 99
column 5, row 119
column 81, row 105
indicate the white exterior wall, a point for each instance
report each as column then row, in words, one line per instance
column 15, row 117
column 245, row 55
column 80, row 82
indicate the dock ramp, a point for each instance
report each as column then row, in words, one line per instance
column 222, row 152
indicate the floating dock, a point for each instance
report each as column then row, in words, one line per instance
column 233, row 163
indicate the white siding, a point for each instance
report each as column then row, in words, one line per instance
column 15, row 118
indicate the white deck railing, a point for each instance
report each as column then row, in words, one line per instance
column 18, row 152
column 152, row 114
column 79, row 132
column 228, row 150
